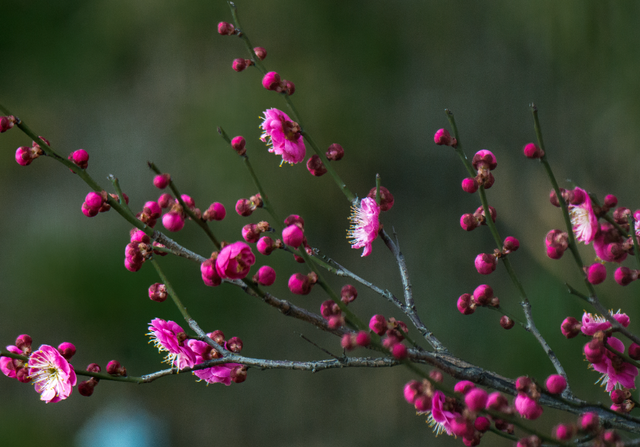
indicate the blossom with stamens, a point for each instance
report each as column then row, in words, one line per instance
column 168, row 336
column 283, row 136
column 616, row 373
column 592, row 323
column 583, row 219
column 52, row 375
column 364, row 225
column 440, row 417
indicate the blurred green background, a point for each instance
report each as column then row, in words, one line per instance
column 151, row 80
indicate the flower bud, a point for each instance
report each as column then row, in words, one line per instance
column 86, row 387
column 225, row 29
column 157, row 292
column 506, row 322
column 348, row 342
column 596, row 273
column 299, row 284
column 386, row 198
column 348, row 293
column 315, row 166
column 209, row 273
column 423, row 404
column 610, row 201
column 436, row 375
column 80, row 158
column 293, row 236
column 532, row 150
column 244, row 207
column 173, row 221
column 378, row 324
column 363, row 339
column 335, row 152
column 265, row 276
column 594, row 351
column 625, row 276
column 497, row 402
column 442, row 137
column 412, row 390
column 238, row 145
column 634, row 351
column 294, row 219
column 289, row 87
column 469, row 185
column 485, row 263
column 67, row 350
column 476, row 399
column 216, row 211
column 570, row 327
column 271, row 81
column 556, row 384
column 511, row 244
column 482, row 294
column 589, row 422
column 6, row 122
column 114, row 368
column 161, row 181
column 239, row 65
column 563, row 432
column 468, row 222
column 260, row 52
column 484, row 158
column 482, row 424
column 239, row 374
column 399, row 351
column 465, row 304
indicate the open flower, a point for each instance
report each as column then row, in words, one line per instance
column 616, row 373
column 592, row 323
column 364, row 225
column 283, row 136
column 440, row 417
column 53, row 377
column 168, row 336
column 235, row 260
column 215, row 374
column 583, row 219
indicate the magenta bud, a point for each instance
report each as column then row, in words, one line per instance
column 423, row 404
column 289, row 87
column 482, row 294
column 67, row 350
column 157, row 292
column 476, row 399
column 251, row 233
column 293, row 236
column 335, row 152
column 299, row 284
column 225, row 29
column 563, row 432
column 315, row 166
column 386, row 198
column 523, row 383
column 363, row 338
column 265, row 276
column 464, row 386
column 216, row 211
column 94, row 367
column 238, row 145
column 625, row 276
column 260, row 52
column 485, row 263
column 436, row 375
column 465, row 304
column 23, row 156
column 506, row 322
column 265, row 245
column 532, row 150
column 173, row 221
column 442, row 137
column 244, row 207
column 378, row 324
column 239, row 374
column 93, row 201
column 6, row 123
column 271, row 81
column 484, row 158
column 399, row 351
column 165, row 200
column 468, row 222
column 610, row 201
column 412, row 390
column 114, row 368
column 482, row 424
column 596, row 273
column 86, row 387
column 23, row 342
column 239, row 65
column 161, row 181
column 589, row 422
column 556, row 384
column 348, row 293
column 594, row 351
column 209, row 274
column 497, row 402
column 570, row 327
column 348, row 342
column 152, row 209
column 469, row 185
column 294, row 219
column 511, row 244
column 234, row 344
column 80, row 158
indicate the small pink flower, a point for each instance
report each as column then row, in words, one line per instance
column 9, row 366
column 364, row 225
column 53, row 377
column 235, row 260
column 583, row 219
column 215, row 374
column 615, row 373
column 440, row 418
column 168, row 336
column 592, row 323
column 283, row 136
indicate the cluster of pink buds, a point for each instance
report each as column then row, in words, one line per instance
column 272, row 81
column 351, row 341
column 484, row 162
column 470, row 222
column 227, row 29
column 151, row 211
column 241, row 64
column 316, row 167
column 7, row 122
column 348, row 294
column 114, row 368
column 526, row 402
column 557, row 242
column 300, row 284
column 588, row 424
column 80, row 158
column 482, row 296
column 16, row 368
column 442, row 137
column 86, row 387
column 94, row 203
column 137, row 250
column 25, row 154
column 252, row 232
column 173, row 220
column 245, row 207
column 331, row 312
column 393, row 332
column 158, row 292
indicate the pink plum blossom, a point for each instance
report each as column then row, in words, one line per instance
column 52, row 375
column 235, row 260
column 168, row 336
column 364, row 225
column 592, row 323
column 440, row 418
column 215, row 374
column 615, row 373
column 583, row 219
column 283, row 136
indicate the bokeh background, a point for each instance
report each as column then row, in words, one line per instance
column 151, row 80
